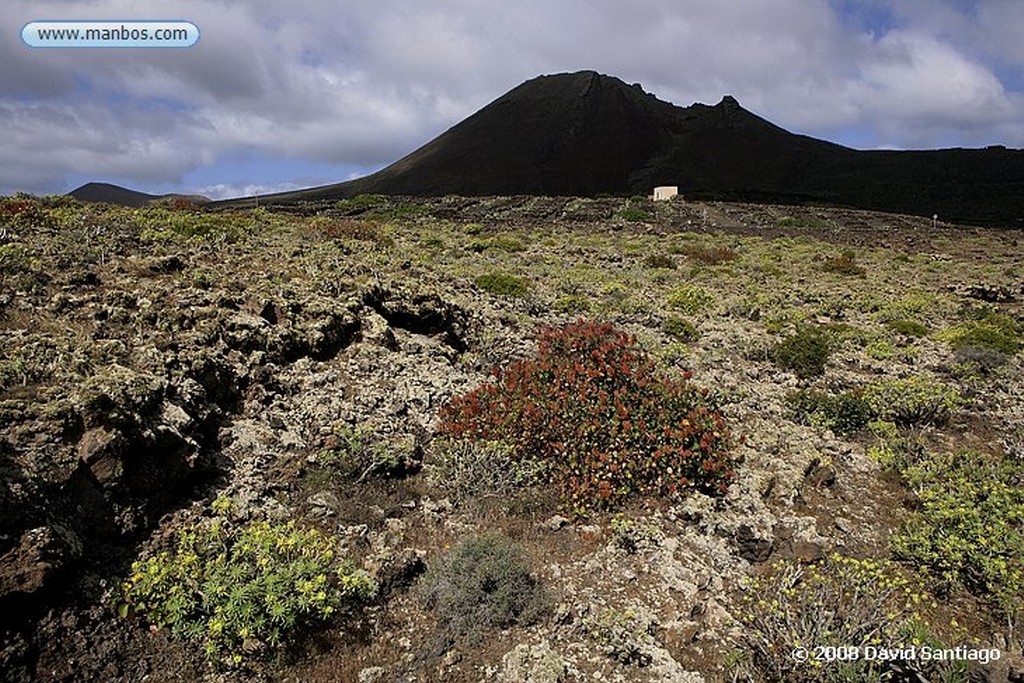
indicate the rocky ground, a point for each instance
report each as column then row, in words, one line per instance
column 154, row 361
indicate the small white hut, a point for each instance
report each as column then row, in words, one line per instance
column 665, row 192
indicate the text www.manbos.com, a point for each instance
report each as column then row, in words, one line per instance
column 110, row 34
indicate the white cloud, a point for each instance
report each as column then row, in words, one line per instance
column 916, row 87
column 232, row 190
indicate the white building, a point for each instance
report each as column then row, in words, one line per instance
column 665, row 192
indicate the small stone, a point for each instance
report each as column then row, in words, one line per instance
column 400, row 570
column 751, row 547
column 324, row 503
column 555, row 523
column 371, row 674
column 533, row 664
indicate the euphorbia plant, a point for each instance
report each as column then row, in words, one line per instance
column 613, row 426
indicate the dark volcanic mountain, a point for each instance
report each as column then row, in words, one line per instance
column 115, row 194
column 585, row 134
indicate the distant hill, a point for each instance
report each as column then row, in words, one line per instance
column 115, row 194
column 585, row 134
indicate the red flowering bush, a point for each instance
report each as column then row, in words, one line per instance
column 593, row 404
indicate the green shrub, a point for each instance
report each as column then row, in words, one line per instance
column 592, row 404
column 376, row 207
column 359, row 453
column 880, row 349
column 360, row 203
column 163, row 223
column 804, row 353
column 483, row 582
column 705, row 254
column 682, row 329
column 844, row 264
column 991, row 331
column 990, row 338
column 970, row 527
column 803, row 221
column 843, row 414
column 468, row 469
column 660, row 261
column 690, row 299
column 634, row 214
column 975, row 361
column 622, row 635
column 242, row 591
column 633, row 535
column 895, row 450
column 23, row 212
column 350, row 229
column 572, row 303
column 912, row 401
column 910, row 328
column 502, row 284
column 20, row 268
column 839, row 602
column 15, row 259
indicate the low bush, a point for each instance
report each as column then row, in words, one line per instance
column 593, row 405
column 16, row 259
column 572, row 303
column 969, row 530
column 905, row 326
column 690, row 299
column 988, row 330
column 913, row 401
column 803, row 221
column 350, row 229
column 243, row 591
column 988, row 338
column 660, row 261
column 705, row 254
column 684, row 330
column 359, row 454
column 840, row 602
column 844, row 264
column 622, row 635
column 634, row 535
column 502, row 284
column 895, row 450
column 23, row 212
column 974, row 361
column 20, row 269
column 804, row 353
column 468, row 469
column 483, row 582
column 844, row 414
column 361, row 203
column 634, row 214
column 162, row 223
column 879, row 349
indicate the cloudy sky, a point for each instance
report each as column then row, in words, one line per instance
column 278, row 95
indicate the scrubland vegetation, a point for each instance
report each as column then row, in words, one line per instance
column 507, row 439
